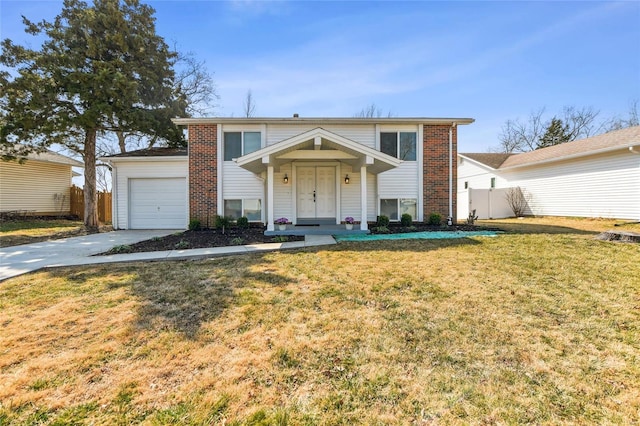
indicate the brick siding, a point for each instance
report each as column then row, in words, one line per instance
column 203, row 172
column 436, row 170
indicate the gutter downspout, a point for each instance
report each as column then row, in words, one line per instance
column 450, row 218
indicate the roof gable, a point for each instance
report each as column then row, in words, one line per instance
column 493, row 160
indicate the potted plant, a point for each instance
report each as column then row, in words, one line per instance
column 349, row 221
column 282, row 223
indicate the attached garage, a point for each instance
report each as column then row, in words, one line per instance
column 157, row 203
column 150, row 189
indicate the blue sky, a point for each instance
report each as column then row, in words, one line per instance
column 491, row 61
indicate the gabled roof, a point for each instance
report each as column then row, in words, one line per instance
column 151, row 152
column 318, row 144
column 493, row 160
column 602, row 143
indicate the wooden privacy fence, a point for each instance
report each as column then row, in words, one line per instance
column 76, row 199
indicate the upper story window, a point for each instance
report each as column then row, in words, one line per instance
column 401, row 145
column 237, row 144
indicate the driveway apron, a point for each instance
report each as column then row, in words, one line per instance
column 19, row 260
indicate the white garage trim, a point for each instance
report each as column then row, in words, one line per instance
column 157, row 203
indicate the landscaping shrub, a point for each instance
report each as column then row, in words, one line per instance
column 242, row 222
column 406, row 219
column 382, row 221
column 194, row 225
column 434, row 219
column 223, row 222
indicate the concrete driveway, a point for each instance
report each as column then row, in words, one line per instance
column 19, row 260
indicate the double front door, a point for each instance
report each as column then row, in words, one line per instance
column 316, row 192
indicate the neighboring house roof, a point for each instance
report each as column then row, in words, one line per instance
column 151, row 152
column 320, row 120
column 493, row 160
column 602, row 143
column 49, row 156
column 617, row 139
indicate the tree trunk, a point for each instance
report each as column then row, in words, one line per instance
column 121, row 141
column 90, row 194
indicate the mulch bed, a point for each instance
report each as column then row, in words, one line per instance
column 234, row 236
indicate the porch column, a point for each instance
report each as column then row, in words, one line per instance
column 363, row 198
column 270, row 226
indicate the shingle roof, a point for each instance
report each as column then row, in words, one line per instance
column 605, row 142
column 152, row 152
column 493, row 160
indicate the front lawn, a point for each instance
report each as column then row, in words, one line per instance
column 522, row 328
column 25, row 231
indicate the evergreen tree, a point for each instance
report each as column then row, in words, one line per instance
column 101, row 68
column 556, row 133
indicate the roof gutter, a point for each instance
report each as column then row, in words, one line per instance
column 634, row 149
column 341, row 120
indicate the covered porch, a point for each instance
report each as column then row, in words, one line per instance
column 317, row 179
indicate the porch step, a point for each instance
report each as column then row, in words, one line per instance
column 316, row 230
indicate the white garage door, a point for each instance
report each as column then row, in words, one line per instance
column 158, row 203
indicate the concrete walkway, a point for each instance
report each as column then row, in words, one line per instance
column 19, row 260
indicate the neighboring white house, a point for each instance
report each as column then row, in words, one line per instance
column 308, row 170
column 38, row 186
column 594, row 177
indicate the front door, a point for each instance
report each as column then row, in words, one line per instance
column 316, row 192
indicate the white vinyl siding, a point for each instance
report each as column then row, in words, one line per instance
column 238, row 183
column 35, row 186
column 282, row 193
column 606, row 185
column 364, row 134
column 124, row 171
column 477, row 176
column 401, row 182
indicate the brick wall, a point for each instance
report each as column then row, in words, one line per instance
column 436, row 170
column 203, row 176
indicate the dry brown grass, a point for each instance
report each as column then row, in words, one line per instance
column 521, row 328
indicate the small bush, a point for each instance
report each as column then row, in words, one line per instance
column 124, row 248
column 242, row 222
column 280, row 239
column 434, row 219
column 223, row 222
column 237, row 241
column 406, row 219
column 182, row 244
column 381, row 230
column 382, row 221
column 194, row 225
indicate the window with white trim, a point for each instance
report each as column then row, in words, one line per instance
column 394, row 208
column 401, row 145
column 237, row 144
column 251, row 208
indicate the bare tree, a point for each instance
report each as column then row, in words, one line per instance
column 632, row 119
column 518, row 136
column 581, row 122
column 371, row 111
column 523, row 136
column 249, row 105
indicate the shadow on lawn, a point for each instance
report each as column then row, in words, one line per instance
column 183, row 296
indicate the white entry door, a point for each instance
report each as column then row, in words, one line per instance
column 316, row 192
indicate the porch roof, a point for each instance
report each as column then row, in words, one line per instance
column 318, row 145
